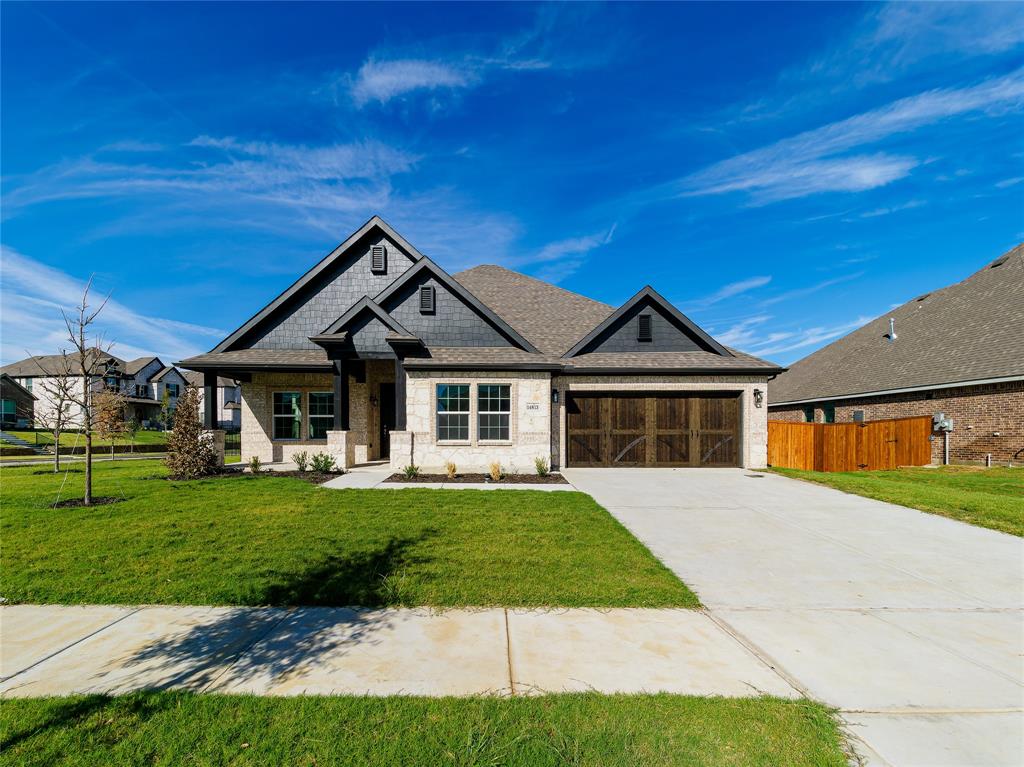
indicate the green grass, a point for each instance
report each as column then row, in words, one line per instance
column 270, row 540
column 68, row 439
column 992, row 498
column 579, row 729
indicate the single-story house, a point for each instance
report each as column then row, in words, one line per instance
column 17, row 404
column 228, row 410
column 958, row 351
column 377, row 353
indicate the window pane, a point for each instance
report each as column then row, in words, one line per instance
column 287, row 415
column 319, row 426
column 493, row 407
column 321, row 403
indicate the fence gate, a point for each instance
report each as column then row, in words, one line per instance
column 854, row 446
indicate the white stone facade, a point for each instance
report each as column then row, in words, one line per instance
column 529, row 423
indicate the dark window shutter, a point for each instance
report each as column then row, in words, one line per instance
column 643, row 328
column 427, row 299
column 378, row 259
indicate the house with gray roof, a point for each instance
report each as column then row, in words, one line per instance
column 227, row 414
column 143, row 381
column 377, row 353
column 958, row 351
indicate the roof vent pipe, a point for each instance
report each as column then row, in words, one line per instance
column 892, row 329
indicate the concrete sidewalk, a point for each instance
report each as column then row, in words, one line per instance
column 54, row 650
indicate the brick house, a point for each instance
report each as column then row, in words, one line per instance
column 376, row 353
column 957, row 351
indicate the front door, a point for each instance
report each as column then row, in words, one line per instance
column 387, row 417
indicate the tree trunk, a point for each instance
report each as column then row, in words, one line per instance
column 56, row 452
column 87, row 499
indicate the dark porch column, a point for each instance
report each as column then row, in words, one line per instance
column 209, row 399
column 399, row 394
column 340, row 396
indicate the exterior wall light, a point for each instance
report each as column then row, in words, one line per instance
column 554, row 396
column 758, row 398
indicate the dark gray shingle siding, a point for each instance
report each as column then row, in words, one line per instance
column 622, row 336
column 452, row 323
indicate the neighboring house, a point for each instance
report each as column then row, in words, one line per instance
column 143, row 381
column 17, row 404
column 377, row 353
column 228, row 413
column 957, row 351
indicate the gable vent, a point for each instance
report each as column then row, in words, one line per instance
column 378, row 259
column 427, row 299
column 644, row 332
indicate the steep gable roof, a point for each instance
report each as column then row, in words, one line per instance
column 551, row 317
column 649, row 295
column 132, row 367
column 17, row 386
column 52, row 364
column 969, row 331
column 323, row 266
column 369, row 305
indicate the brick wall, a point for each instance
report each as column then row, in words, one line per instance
column 986, row 419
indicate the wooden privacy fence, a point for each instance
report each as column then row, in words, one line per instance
column 868, row 445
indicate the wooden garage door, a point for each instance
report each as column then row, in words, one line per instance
column 657, row 429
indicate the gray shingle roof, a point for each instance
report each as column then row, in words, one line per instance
column 973, row 330
column 553, row 319
column 698, row 360
column 134, row 366
column 195, row 380
column 270, row 358
column 51, row 364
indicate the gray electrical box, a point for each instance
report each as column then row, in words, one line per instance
column 941, row 423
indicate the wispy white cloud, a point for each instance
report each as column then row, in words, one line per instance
column 1008, row 182
column 789, row 295
column 33, row 295
column 743, row 334
column 808, row 337
column 564, row 257
column 729, row 291
column 382, row 81
column 885, row 211
column 831, row 158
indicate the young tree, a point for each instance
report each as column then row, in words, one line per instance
column 91, row 358
column 190, row 453
column 58, row 387
column 108, row 415
column 131, row 429
column 166, row 411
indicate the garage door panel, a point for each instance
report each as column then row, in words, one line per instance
column 717, row 450
column 673, row 449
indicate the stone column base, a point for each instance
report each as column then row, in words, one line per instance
column 216, row 437
column 401, row 449
column 341, row 444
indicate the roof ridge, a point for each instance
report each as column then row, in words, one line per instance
column 530, row 277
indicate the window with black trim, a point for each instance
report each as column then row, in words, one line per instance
column 453, row 411
column 828, row 413
column 809, row 414
column 427, row 299
column 378, row 259
column 493, row 407
column 172, row 390
column 287, row 415
column 321, row 414
column 644, row 331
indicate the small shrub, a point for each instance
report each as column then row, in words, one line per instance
column 190, row 452
column 542, row 466
column 450, row 468
column 411, row 471
column 256, row 465
column 301, row 460
column 323, row 463
column 496, row 472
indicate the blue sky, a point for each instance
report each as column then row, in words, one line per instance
column 781, row 172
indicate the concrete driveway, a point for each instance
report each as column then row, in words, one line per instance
column 909, row 623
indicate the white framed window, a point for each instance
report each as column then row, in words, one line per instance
column 287, row 415
column 453, row 412
column 321, row 414
column 493, row 410
column 172, row 390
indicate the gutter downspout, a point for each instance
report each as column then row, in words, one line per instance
column 945, row 454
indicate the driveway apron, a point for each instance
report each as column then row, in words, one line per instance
column 909, row 623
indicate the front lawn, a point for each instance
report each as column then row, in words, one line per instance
column 173, row 728
column 270, row 540
column 992, row 498
column 70, row 438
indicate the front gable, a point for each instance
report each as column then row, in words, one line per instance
column 669, row 330
column 315, row 300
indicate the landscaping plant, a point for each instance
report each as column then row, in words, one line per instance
column 450, row 468
column 256, row 465
column 190, row 453
column 496, row 472
column 411, row 471
column 542, row 466
column 323, row 463
column 301, row 460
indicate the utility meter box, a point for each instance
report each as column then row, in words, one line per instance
column 941, row 423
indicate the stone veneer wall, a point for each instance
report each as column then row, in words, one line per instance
column 529, row 423
column 257, row 404
column 753, row 420
column 986, row 419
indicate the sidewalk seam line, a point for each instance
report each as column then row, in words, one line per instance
column 229, row 663
column 72, row 644
column 508, row 656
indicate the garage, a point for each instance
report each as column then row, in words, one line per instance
column 653, row 429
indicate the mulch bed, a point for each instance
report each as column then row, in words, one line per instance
column 466, row 479
column 312, row 477
column 74, row 503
